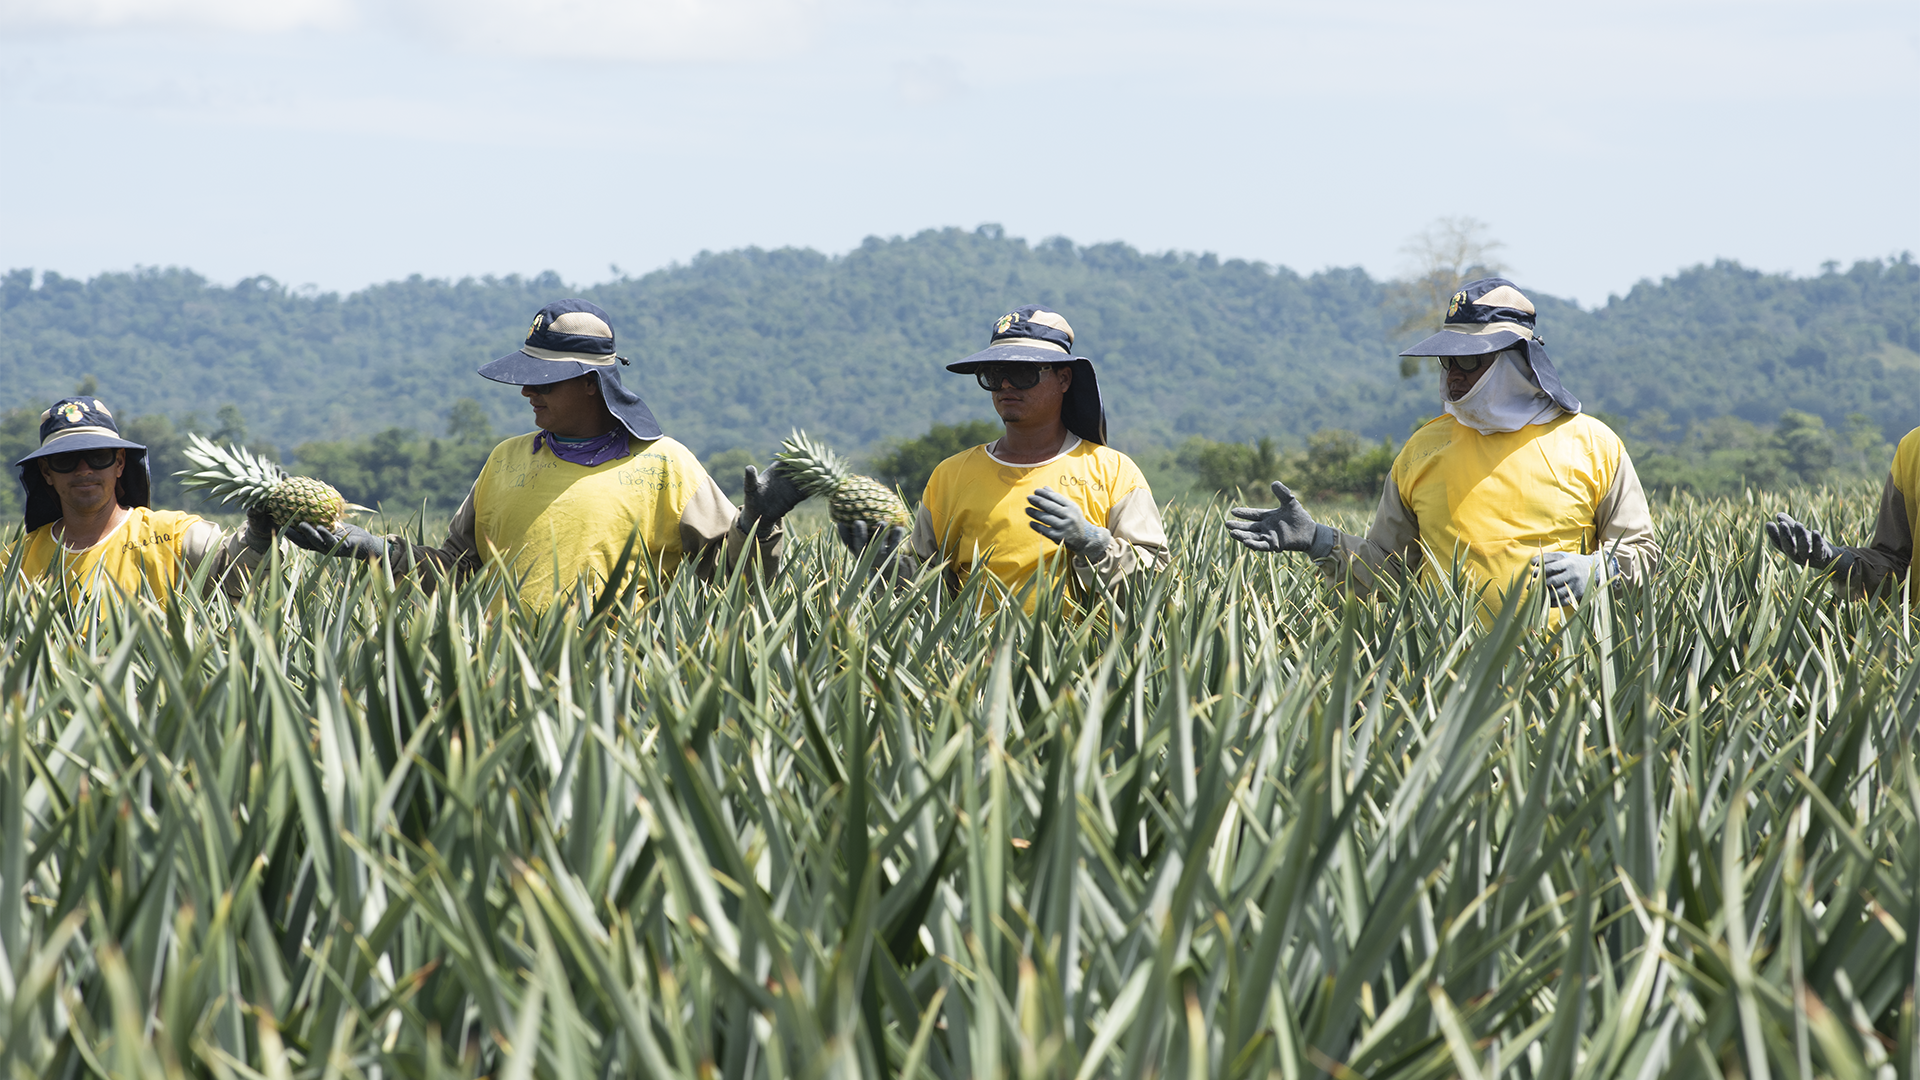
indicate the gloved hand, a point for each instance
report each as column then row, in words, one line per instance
column 345, row 541
column 770, row 496
column 1287, row 527
column 1060, row 520
column 1799, row 543
column 1567, row 575
column 260, row 531
column 856, row 535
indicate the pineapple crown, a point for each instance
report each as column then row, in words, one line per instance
column 812, row 465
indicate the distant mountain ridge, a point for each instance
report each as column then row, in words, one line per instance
column 733, row 349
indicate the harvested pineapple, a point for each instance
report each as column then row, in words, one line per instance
column 850, row 496
column 232, row 473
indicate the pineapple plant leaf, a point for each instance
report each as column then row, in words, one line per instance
column 234, row 473
column 850, row 496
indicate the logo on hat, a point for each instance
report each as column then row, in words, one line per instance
column 70, row 412
column 1006, row 322
column 539, row 321
column 1458, row 299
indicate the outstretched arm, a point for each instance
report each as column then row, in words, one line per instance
column 1361, row 562
column 1883, row 563
column 1857, row 571
column 711, row 527
column 1365, row 563
column 235, row 554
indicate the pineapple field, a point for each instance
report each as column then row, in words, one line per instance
column 1225, row 825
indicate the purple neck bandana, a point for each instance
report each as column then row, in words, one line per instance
column 588, row 452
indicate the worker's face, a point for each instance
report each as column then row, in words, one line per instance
column 87, row 489
column 571, row 408
column 1040, row 402
column 1459, row 379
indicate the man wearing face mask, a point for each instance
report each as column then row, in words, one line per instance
column 1512, row 484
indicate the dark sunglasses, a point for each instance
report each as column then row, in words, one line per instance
column 1461, row 363
column 1018, row 376
column 96, row 460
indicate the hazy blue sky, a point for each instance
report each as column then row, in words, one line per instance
column 343, row 142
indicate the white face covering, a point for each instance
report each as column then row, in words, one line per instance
column 1504, row 399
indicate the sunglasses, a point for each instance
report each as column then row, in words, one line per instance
column 1462, row 363
column 1018, row 376
column 96, row 460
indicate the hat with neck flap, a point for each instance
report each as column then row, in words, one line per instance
column 75, row 424
column 1034, row 335
column 1491, row 315
column 568, row 339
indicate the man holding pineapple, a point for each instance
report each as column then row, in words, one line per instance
column 91, row 522
column 1048, row 488
column 1882, row 564
column 560, row 504
column 1512, row 483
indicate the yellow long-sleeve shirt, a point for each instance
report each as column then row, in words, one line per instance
column 974, row 514
column 550, row 522
column 150, row 548
column 1493, row 502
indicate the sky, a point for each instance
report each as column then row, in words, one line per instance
column 337, row 143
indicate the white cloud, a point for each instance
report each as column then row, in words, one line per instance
column 244, row 15
column 615, row 29
column 606, row 29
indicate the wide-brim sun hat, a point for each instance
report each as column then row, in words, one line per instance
column 568, row 339
column 77, row 424
column 1491, row 315
column 1035, row 335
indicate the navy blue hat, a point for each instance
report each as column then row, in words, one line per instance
column 1035, row 335
column 81, row 423
column 568, row 339
column 1491, row 315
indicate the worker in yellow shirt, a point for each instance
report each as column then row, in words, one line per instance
column 1048, row 492
column 1511, row 484
column 558, row 505
column 1882, row 564
column 91, row 525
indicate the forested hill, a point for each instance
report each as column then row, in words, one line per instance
column 735, row 348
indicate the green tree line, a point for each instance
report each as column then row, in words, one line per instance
column 735, row 348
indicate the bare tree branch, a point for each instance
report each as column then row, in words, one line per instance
column 1444, row 256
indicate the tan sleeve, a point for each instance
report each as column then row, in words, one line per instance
column 1882, row 564
column 1624, row 526
column 233, row 559
column 925, row 546
column 457, row 557
column 1139, row 543
column 1389, row 548
column 709, row 528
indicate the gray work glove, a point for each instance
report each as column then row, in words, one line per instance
column 345, row 541
column 856, row 535
column 1567, row 576
column 770, row 497
column 1060, row 520
column 260, row 531
column 1287, row 527
column 1799, row 543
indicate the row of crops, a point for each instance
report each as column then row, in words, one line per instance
column 1225, row 826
